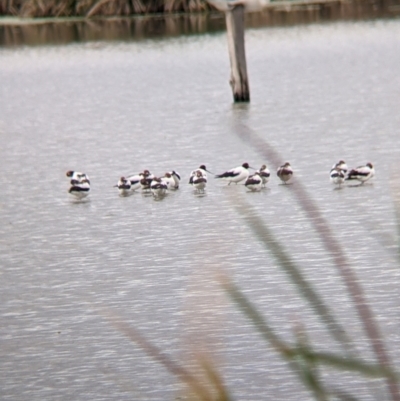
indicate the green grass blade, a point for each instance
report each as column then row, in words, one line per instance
column 303, row 352
column 266, row 237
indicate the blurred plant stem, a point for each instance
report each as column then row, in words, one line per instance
column 302, row 351
column 211, row 389
column 330, row 243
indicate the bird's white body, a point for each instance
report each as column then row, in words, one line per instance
column 80, row 184
column 168, row 180
column 337, row 176
column 177, row 178
column 80, row 191
column 341, row 164
column 264, row 174
column 203, row 171
column 124, row 186
column 157, row 187
column 361, row 173
column 254, row 182
column 146, row 180
column 199, row 181
column 285, row 172
column 77, row 176
column 135, row 181
column 236, row 174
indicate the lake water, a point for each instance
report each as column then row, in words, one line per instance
column 319, row 93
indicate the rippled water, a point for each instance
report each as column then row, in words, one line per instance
column 319, row 94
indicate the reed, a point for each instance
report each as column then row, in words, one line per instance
column 301, row 355
column 205, row 383
column 279, row 12
column 333, row 249
column 90, row 8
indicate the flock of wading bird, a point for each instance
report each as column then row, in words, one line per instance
column 158, row 186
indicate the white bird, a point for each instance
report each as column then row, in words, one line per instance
column 254, row 182
column 285, row 172
column 77, row 176
column 236, row 174
column 203, row 170
column 199, row 181
column 124, row 186
column 337, row 176
column 177, row 178
column 135, row 181
column 361, row 173
column 168, row 180
column 80, row 190
column 80, row 184
column 264, row 174
column 157, row 187
column 146, row 179
column 341, row 164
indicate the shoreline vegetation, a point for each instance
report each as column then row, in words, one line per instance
column 61, row 9
column 42, row 22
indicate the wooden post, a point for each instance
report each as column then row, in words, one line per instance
column 235, row 30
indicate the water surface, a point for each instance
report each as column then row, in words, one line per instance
column 319, row 94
